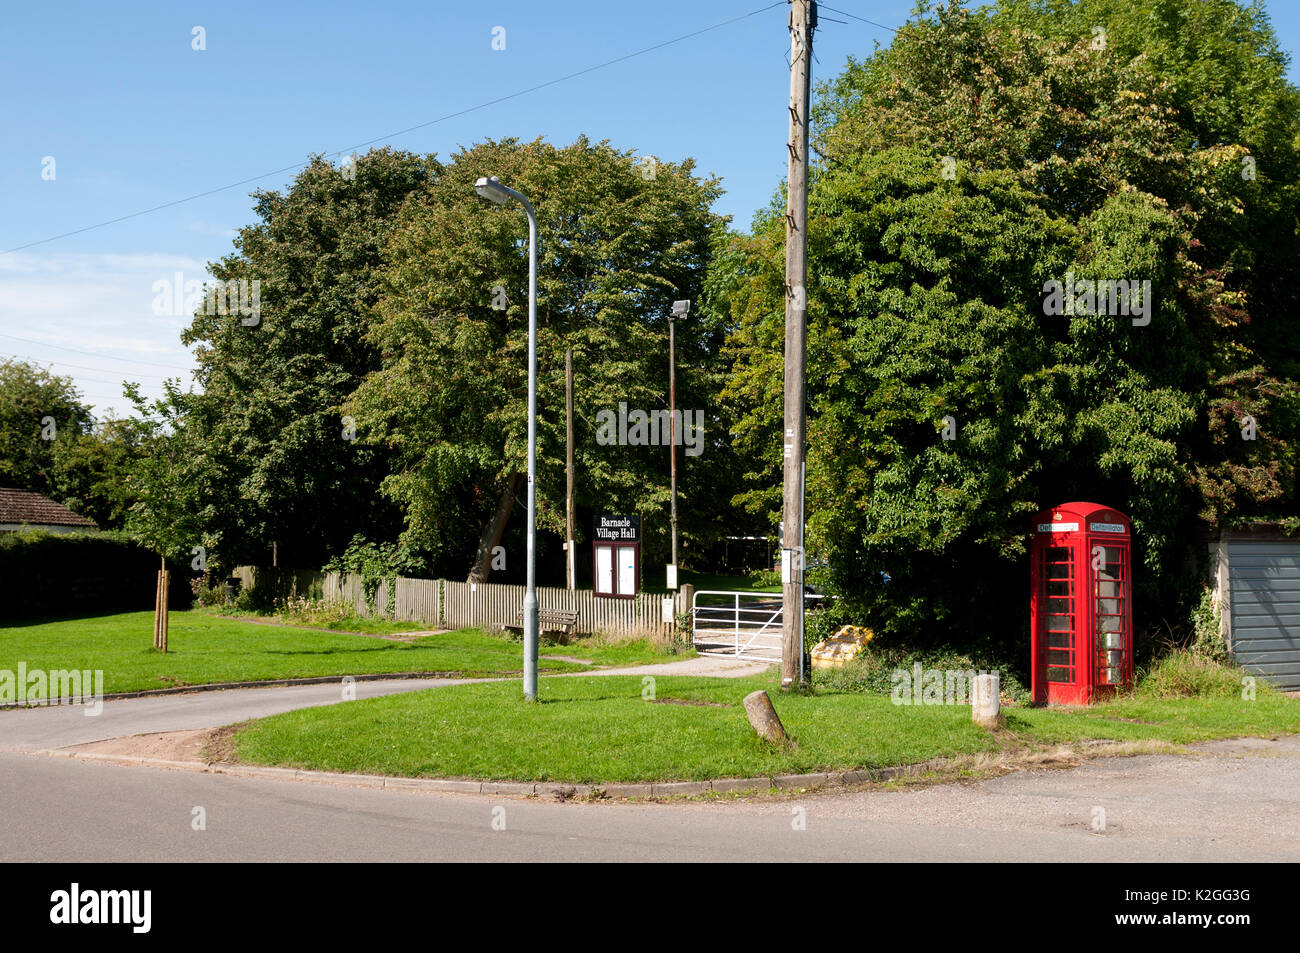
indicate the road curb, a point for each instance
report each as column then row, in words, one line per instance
column 560, row 791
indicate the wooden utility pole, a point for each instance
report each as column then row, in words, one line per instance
column 803, row 21
column 570, row 558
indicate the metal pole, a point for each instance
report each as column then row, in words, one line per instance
column 804, row 674
column 672, row 422
column 680, row 309
column 571, row 564
column 490, row 188
column 530, row 593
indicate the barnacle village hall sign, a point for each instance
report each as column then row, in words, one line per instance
column 616, row 555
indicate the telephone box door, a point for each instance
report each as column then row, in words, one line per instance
column 1058, row 676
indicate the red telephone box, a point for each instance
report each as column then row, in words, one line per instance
column 1080, row 604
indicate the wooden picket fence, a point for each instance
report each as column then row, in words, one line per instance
column 443, row 603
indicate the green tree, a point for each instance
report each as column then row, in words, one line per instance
column 959, row 171
column 93, row 472
column 619, row 241
column 276, row 462
column 40, row 412
column 167, row 513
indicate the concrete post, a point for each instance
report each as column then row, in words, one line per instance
column 985, row 701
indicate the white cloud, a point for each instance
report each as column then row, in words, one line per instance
column 92, row 316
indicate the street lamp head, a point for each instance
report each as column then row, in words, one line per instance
column 490, row 188
column 681, row 308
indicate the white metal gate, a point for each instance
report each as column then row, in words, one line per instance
column 738, row 624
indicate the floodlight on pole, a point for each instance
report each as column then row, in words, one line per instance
column 491, row 189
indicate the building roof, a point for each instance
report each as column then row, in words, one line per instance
column 27, row 506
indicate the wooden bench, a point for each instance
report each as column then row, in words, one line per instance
column 549, row 620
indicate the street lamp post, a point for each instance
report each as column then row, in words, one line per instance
column 680, row 310
column 490, row 188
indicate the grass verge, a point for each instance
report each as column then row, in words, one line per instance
column 603, row 730
column 204, row 649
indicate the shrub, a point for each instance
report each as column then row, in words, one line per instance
column 376, row 563
column 315, row 612
column 208, row 590
column 1207, row 640
column 257, row 600
column 872, row 672
column 1184, row 673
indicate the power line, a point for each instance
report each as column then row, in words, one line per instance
column 81, row 378
column 106, row 357
column 81, row 367
column 845, row 13
column 402, row 132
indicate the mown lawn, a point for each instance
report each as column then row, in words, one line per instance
column 590, row 730
column 203, row 649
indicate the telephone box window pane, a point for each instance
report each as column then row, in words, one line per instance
column 1058, row 623
column 1110, row 591
column 1060, row 640
column 1058, row 657
column 1059, row 675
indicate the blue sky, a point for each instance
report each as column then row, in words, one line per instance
column 134, row 117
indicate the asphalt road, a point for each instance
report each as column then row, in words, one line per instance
column 1230, row 801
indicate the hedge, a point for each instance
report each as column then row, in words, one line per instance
column 51, row 575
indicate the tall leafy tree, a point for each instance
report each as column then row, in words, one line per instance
column 959, row 171
column 620, row 239
column 40, row 412
column 96, row 473
column 277, row 459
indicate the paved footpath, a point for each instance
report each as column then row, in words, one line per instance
column 35, row 729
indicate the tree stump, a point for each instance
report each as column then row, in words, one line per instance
column 763, row 718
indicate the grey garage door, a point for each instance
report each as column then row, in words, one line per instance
column 1265, row 581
